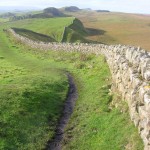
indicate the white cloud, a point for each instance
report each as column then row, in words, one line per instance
column 139, row 6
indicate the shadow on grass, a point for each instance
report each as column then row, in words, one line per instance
column 93, row 32
column 32, row 113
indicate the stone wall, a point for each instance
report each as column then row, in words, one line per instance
column 130, row 69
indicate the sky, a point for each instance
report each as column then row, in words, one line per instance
column 130, row 6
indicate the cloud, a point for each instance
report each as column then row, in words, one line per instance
column 139, row 6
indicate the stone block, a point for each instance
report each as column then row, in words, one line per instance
column 147, row 75
column 147, row 98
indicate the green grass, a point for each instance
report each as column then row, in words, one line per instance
column 53, row 27
column 30, row 108
column 78, row 27
column 34, row 89
column 68, row 29
column 75, row 33
column 33, row 35
column 31, row 98
column 72, row 36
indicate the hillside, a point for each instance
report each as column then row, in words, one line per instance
column 50, row 12
column 55, row 28
column 78, row 26
column 53, row 11
column 117, row 28
column 72, row 36
column 70, row 9
column 75, row 32
column 33, row 35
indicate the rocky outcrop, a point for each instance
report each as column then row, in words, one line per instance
column 130, row 69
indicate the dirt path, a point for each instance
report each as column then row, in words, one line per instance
column 55, row 143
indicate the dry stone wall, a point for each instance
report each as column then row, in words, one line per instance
column 130, row 69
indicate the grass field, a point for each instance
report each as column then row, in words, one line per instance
column 34, row 89
column 53, row 27
column 118, row 28
column 33, row 35
column 31, row 98
column 66, row 29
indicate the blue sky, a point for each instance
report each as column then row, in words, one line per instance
column 133, row 6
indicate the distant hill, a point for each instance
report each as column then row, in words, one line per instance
column 47, row 13
column 102, row 11
column 72, row 9
column 53, row 12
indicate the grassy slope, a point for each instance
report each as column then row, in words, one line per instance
column 53, row 27
column 33, row 35
column 31, row 98
column 73, row 36
column 132, row 29
column 75, row 32
column 78, row 27
column 100, row 127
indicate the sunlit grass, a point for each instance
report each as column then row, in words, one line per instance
column 53, row 27
column 31, row 98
